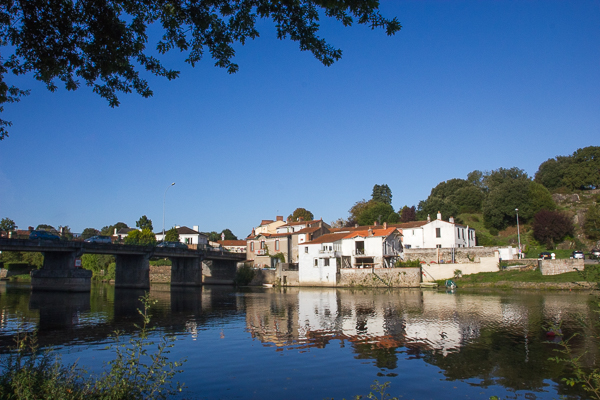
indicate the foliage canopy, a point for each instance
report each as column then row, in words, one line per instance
column 104, row 44
column 301, row 213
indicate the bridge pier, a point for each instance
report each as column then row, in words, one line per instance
column 186, row 271
column 132, row 271
column 58, row 273
column 219, row 272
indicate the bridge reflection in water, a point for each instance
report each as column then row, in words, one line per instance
column 492, row 339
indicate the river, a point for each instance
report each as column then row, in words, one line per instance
column 304, row 343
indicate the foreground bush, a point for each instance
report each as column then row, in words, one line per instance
column 134, row 373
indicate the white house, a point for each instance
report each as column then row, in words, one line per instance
column 188, row 236
column 437, row 233
column 321, row 259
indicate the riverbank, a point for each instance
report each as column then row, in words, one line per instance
column 530, row 278
column 532, row 285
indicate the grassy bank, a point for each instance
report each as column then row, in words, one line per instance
column 530, row 279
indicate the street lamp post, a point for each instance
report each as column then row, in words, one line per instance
column 164, row 199
column 518, row 232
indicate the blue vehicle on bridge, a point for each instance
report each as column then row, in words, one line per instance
column 43, row 235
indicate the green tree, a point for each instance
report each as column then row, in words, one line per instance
column 540, row 198
column 581, row 170
column 7, row 225
column 44, row 227
column 104, row 44
column 552, row 171
column 500, row 204
column 144, row 223
column 213, row 236
column 229, row 235
column 172, row 235
column 89, row 232
column 301, row 213
column 451, row 197
column 495, row 178
column 377, row 212
column 584, row 170
column 110, row 230
column 382, row 194
column 144, row 237
column 591, row 225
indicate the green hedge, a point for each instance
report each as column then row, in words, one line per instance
column 160, row 262
column 13, row 266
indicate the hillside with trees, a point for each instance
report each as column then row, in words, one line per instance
column 557, row 208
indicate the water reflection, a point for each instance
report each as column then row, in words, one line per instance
column 483, row 338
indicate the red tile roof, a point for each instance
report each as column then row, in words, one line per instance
column 232, row 242
column 328, row 238
column 411, row 224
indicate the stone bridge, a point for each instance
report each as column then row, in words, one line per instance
column 132, row 263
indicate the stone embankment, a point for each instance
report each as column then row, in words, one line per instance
column 532, row 285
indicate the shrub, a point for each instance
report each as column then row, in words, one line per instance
column 551, row 227
column 160, row 262
column 408, row 264
column 15, row 266
column 244, row 275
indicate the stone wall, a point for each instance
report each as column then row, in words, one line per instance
column 160, row 273
column 434, row 272
column 555, row 267
column 461, row 254
column 282, row 276
column 380, row 277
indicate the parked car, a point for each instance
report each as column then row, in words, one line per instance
column 578, row 254
column 98, row 239
column 595, row 253
column 177, row 245
column 43, row 235
column 545, row 255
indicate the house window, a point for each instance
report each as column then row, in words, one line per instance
column 458, row 231
column 439, row 246
column 463, row 231
column 407, row 246
column 277, row 245
column 251, row 246
column 316, row 262
column 326, row 262
column 306, row 249
column 438, row 232
column 262, row 245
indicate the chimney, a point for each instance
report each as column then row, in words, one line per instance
column 428, row 218
column 439, row 216
column 385, row 225
column 300, row 219
column 451, row 220
column 370, row 232
column 375, row 223
column 279, row 218
column 356, row 225
column 177, row 227
column 196, row 228
column 115, row 231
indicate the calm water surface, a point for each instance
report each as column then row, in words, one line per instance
column 301, row 343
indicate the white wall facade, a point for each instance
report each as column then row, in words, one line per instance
column 318, row 265
column 428, row 236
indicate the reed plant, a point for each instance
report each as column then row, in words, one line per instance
column 140, row 369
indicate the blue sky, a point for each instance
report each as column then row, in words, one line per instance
column 464, row 85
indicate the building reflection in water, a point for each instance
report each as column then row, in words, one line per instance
column 381, row 324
